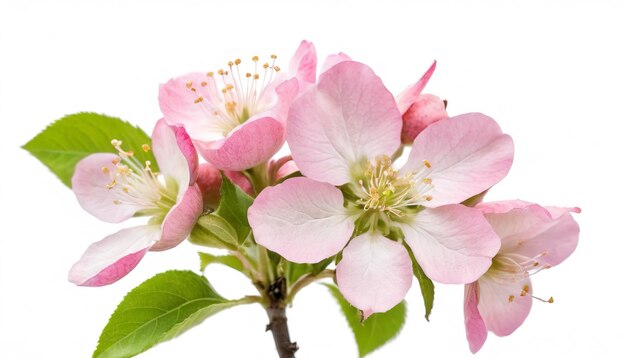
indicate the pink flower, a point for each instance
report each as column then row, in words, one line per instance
column 534, row 238
column 114, row 188
column 236, row 117
column 342, row 134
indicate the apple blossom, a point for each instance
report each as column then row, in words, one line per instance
column 342, row 133
column 114, row 188
column 236, row 117
column 534, row 238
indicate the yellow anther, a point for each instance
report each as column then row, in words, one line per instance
column 256, row 76
column 111, row 184
column 209, row 74
column 276, row 68
column 220, row 72
column 203, row 84
column 266, row 65
column 551, row 300
column 224, row 90
column 189, row 84
column 229, row 86
column 273, row 56
column 199, row 99
column 428, row 197
column 511, row 298
column 428, row 181
column 237, row 61
column 248, row 75
column 105, row 170
column 192, row 89
column 116, row 161
column 116, row 202
column 230, row 63
column 145, row 147
column 426, row 163
column 230, row 106
column 125, row 189
column 255, row 58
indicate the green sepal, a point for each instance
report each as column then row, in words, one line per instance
column 233, row 207
column 62, row 144
column 214, row 231
column 231, row 261
column 426, row 285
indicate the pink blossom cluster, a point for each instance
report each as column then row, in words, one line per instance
column 340, row 193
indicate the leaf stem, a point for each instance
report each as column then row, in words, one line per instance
column 306, row 280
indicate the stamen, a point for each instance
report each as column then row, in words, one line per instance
column 145, row 147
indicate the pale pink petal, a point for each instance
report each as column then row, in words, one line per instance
column 502, row 304
column 180, row 220
column 241, row 181
column 301, row 219
column 375, row 273
column 475, row 329
column 286, row 92
column 468, row 154
column 250, row 144
column 348, row 116
column 334, row 59
column 110, row 259
column 210, row 182
column 409, row 95
column 452, row 243
column 550, row 235
column 89, row 184
column 176, row 160
column 286, row 169
column 426, row 110
column 180, row 105
column 304, row 62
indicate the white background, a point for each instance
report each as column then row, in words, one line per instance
column 552, row 73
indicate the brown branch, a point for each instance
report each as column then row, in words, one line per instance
column 278, row 319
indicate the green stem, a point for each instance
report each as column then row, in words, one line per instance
column 306, row 280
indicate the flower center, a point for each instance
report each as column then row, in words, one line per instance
column 133, row 183
column 383, row 189
column 508, row 267
column 230, row 97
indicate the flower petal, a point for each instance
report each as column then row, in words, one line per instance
column 501, row 313
column 89, row 184
column 304, row 62
column 301, row 219
column 175, row 155
column 426, row 110
column 179, row 105
column 334, row 59
column 452, row 243
column 468, row 154
column 409, row 95
column 110, row 259
column 348, row 116
column 548, row 234
column 250, row 144
column 180, row 220
column 375, row 273
column 210, row 182
column 475, row 329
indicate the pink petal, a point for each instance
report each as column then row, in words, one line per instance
column 89, row 184
column 180, row 220
column 241, row 181
column 348, row 116
column 304, row 62
column 334, row 59
column 178, row 104
column 548, row 234
column 110, row 259
column 286, row 92
column 501, row 313
column 301, row 219
column 250, row 144
column 175, row 155
column 409, row 95
column 468, row 154
column 210, row 182
column 426, row 110
column 375, row 273
column 452, row 243
column 475, row 329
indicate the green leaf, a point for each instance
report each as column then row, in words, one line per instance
column 66, row 141
column 234, row 204
column 214, row 231
column 293, row 270
column 426, row 285
column 157, row 310
column 226, row 260
column 377, row 330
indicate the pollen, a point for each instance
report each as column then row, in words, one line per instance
column 198, row 100
column 145, row 147
column 105, row 170
column 426, row 163
column 189, row 84
column 511, row 298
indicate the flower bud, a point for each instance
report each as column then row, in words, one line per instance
column 426, row 110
